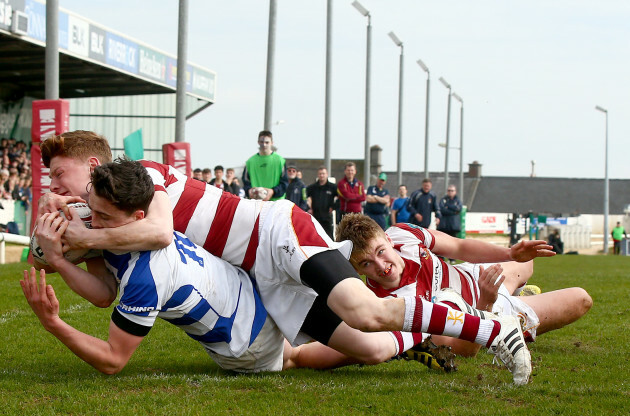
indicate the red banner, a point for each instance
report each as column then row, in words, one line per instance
column 50, row 117
column 178, row 155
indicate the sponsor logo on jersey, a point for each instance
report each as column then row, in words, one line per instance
column 437, row 274
column 289, row 252
column 136, row 309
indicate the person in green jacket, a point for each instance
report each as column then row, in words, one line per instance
column 618, row 233
column 265, row 175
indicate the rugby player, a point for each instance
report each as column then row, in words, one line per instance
column 305, row 281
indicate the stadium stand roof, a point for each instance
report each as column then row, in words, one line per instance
column 94, row 61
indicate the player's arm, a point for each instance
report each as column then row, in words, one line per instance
column 476, row 251
column 153, row 232
column 108, row 357
column 98, row 286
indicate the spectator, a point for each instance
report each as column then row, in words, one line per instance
column 218, row 179
column 556, row 242
column 421, row 203
column 237, row 185
column 296, row 190
column 232, row 181
column 265, row 170
column 350, row 191
column 11, row 185
column 399, row 209
column 197, row 174
column 450, row 207
column 15, row 170
column 617, row 235
column 206, row 175
column 321, row 200
column 4, row 184
column 377, row 201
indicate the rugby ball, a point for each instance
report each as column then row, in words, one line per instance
column 260, row 193
column 85, row 213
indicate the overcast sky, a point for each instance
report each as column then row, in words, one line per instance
column 530, row 75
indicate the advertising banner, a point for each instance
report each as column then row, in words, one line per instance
column 78, row 36
column 152, row 64
column 7, row 7
column 178, row 156
column 121, row 53
column 50, row 117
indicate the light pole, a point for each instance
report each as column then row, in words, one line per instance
column 327, row 94
column 426, row 120
column 448, row 128
column 366, row 162
column 400, row 104
column 461, row 147
column 271, row 52
column 603, row 110
column 182, row 57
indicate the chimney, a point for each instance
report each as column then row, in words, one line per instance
column 474, row 170
column 376, row 152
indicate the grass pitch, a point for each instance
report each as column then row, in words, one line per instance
column 581, row 369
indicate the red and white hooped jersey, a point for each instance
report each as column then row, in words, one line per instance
column 270, row 240
column 196, row 206
column 425, row 273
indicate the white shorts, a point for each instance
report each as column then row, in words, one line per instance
column 288, row 237
column 265, row 353
column 506, row 303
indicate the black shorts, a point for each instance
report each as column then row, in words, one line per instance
column 322, row 272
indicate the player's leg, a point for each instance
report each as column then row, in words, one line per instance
column 355, row 347
column 314, row 355
column 323, row 325
column 559, row 308
column 517, row 274
column 359, row 307
column 335, row 280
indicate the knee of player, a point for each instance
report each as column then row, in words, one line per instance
column 377, row 356
column 110, row 370
column 375, row 353
column 585, row 300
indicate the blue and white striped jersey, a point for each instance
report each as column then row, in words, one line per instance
column 214, row 302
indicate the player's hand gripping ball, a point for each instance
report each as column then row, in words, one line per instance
column 85, row 213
